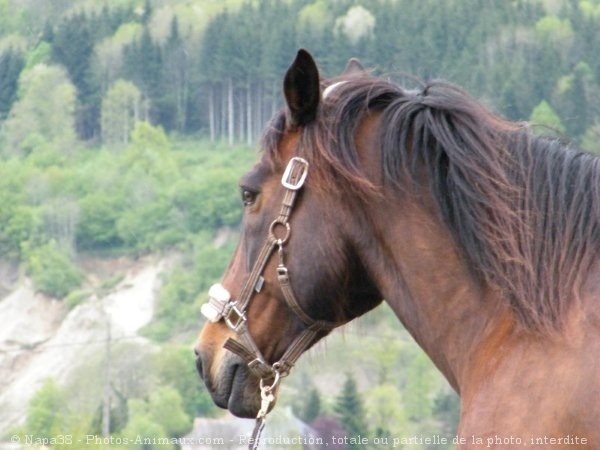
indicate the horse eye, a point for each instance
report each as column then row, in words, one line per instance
column 248, row 197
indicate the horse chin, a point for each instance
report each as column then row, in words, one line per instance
column 244, row 395
column 237, row 391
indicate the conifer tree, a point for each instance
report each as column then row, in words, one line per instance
column 11, row 64
column 73, row 47
column 312, row 407
column 350, row 410
column 143, row 65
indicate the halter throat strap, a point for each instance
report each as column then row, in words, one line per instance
column 221, row 306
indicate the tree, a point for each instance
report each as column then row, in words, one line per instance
column 544, row 115
column 173, row 368
column 174, row 101
column 386, row 411
column 99, row 214
column 143, row 65
column 108, row 54
column 446, row 409
column 350, row 410
column 73, row 47
column 121, row 110
column 312, row 406
column 161, row 416
column 11, row 64
column 44, row 116
column 575, row 98
column 61, row 218
column 142, row 431
column 357, row 24
column 44, row 414
column 51, row 269
column 166, row 407
column 591, row 139
column 150, row 152
column 420, row 385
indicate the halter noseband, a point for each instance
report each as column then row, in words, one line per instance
column 221, row 306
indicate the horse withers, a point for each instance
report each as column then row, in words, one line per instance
column 482, row 237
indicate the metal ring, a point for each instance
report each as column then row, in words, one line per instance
column 288, row 230
column 267, row 389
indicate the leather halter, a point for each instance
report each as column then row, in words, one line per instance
column 221, row 306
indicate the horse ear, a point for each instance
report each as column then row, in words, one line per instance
column 354, row 67
column 301, row 89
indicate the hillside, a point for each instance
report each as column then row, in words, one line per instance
column 43, row 339
column 47, row 341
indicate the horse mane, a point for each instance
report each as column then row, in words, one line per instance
column 524, row 209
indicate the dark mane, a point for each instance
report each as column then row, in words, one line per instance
column 524, row 209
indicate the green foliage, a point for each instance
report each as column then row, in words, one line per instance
column 554, row 29
column 45, row 407
column 356, row 25
column 149, row 152
column 211, row 202
column 99, row 214
column 143, row 65
column 175, row 367
column 420, row 385
column 591, row 139
column 185, row 286
column 42, row 54
column 166, row 408
column 11, row 64
column 75, row 298
column 544, row 115
column 315, row 17
column 387, row 411
column 142, row 423
column 147, row 227
column 220, row 71
column 20, row 224
column 51, row 269
column 43, row 117
column 121, row 109
column 160, row 417
column 312, row 407
column 73, row 45
column 446, row 409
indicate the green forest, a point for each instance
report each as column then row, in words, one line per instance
column 213, row 68
column 125, row 126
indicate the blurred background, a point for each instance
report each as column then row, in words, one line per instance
column 124, row 127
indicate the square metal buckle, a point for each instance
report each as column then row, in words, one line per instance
column 286, row 179
column 234, row 322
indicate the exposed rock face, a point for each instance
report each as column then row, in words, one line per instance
column 40, row 338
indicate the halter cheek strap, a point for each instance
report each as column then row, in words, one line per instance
column 221, row 306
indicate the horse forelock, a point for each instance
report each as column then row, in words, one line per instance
column 524, row 209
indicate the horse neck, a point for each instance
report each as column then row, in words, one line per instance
column 423, row 277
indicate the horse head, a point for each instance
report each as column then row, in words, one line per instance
column 295, row 274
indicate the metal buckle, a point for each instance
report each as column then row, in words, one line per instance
column 236, row 322
column 286, row 179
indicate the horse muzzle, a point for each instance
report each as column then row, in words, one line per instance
column 226, row 376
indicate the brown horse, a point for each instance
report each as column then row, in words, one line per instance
column 482, row 237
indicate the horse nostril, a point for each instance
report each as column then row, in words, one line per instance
column 198, row 363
